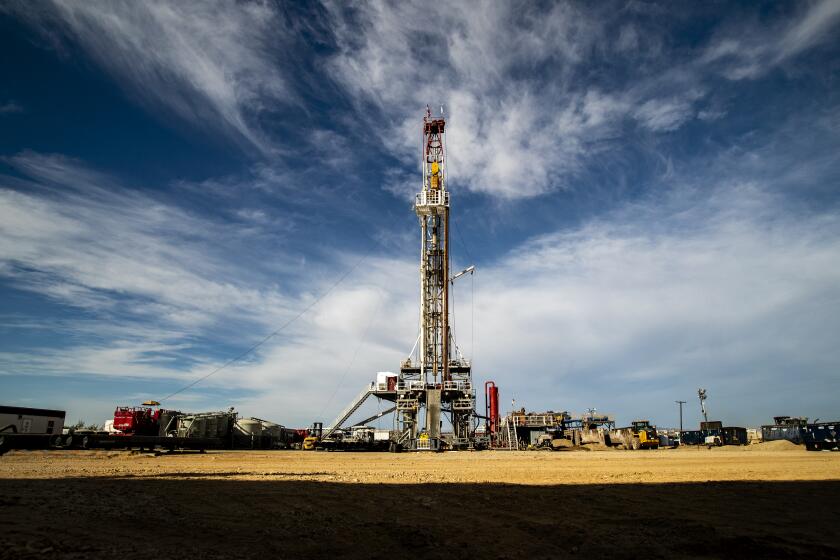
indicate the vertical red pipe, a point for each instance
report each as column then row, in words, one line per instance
column 491, row 406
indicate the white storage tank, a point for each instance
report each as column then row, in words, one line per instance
column 251, row 426
column 273, row 429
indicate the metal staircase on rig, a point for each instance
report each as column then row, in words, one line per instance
column 512, row 440
column 347, row 412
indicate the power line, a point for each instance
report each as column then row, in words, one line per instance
column 355, row 354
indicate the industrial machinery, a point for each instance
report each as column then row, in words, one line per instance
column 536, row 429
column 141, row 420
column 435, row 382
column 594, row 428
column 315, row 434
column 639, row 435
column 150, row 427
column 646, row 434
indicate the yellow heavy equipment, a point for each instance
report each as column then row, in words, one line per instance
column 638, row 435
column 646, row 434
column 314, row 437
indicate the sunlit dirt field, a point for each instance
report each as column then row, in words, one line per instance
column 769, row 500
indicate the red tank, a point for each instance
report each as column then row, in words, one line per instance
column 491, row 404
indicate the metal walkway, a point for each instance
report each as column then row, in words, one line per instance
column 347, row 412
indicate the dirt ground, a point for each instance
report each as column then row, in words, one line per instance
column 771, row 500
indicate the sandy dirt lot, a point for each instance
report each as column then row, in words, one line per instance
column 770, row 501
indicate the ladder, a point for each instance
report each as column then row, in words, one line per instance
column 513, row 442
column 347, row 412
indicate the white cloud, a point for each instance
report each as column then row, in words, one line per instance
column 86, row 241
column 713, row 285
column 522, row 117
column 506, row 137
column 750, row 51
column 813, row 28
column 525, row 114
column 661, row 115
column 218, row 65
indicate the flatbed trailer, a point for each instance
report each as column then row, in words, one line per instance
column 11, row 440
column 82, row 440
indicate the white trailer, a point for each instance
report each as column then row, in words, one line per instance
column 23, row 427
column 31, row 420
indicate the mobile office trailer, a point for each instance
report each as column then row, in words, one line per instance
column 31, row 420
column 29, row 428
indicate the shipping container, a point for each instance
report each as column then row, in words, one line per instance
column 785, row 428
column 735, row 436
column 822, row 435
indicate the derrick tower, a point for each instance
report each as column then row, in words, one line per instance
column 439, row 380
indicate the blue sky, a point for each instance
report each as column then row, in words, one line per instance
column 649, row 192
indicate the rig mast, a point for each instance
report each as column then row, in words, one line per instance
column 439, row 382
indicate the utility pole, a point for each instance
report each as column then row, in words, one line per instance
column 680, row 403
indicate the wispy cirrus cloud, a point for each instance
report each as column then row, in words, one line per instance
column 81, row 237
column 508, row 137
column 217, row 65
column 748, row 51
column 529, row 94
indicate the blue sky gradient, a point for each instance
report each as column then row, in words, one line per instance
column 649, row 192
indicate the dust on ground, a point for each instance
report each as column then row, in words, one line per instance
column 768, row 500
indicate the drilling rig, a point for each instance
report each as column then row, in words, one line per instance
column 435, row 381
column 439, row 380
